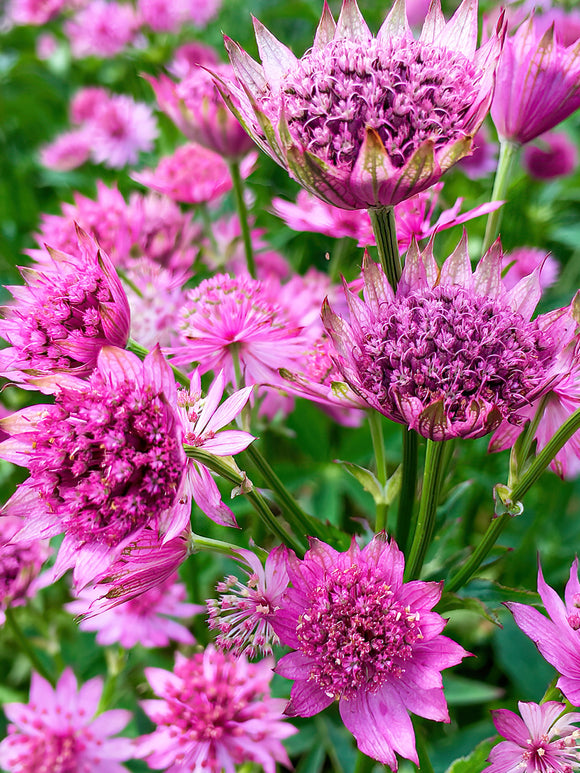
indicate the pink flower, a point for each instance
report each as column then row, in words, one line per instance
column 120, row 129
column 198, row 110
column 243, row 612
column 452, row 353
column 200, row 12
column 556, row 637
column 201, row 421
column 145, row 620
column 363, row 637
column 192, row 175
column 553, row 155
column 540, row 741
column 68, row 151
column 214, row 712
column 58, row 730
column 525, row 260
column 106, row 461
column 87, row 102
column 538, row 84
column 188, row 56
column 20, row 565
column 66, row 312
column 101, row 28
column 367, row 122
column 35, row 12
column 161, row 15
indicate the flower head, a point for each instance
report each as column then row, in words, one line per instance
column 538, row 83
column 540, row 741
column 362, row 121
column 552, row 155
column 121, row 129
column 20, row 564
column 69, row 308
column 214, row 712
column 58, row 732
column 524, row 261
column 68, row 151
column 367, row 639
column 101, row 28
column 451, row 353
column 243, row 611
column 556, row 637
column 106, row 461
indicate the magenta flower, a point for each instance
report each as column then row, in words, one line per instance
column 556, row 637
column 106, row 461
column 524, row 261
column 69, row 308
column 483, row 160
column 201, row 421
column 367, row 639
column 214, row 712
column 121, row 129
column 68, row 151
column 367, row 122
column 538, row 83
column 144, row 620
column 198, row 110
column 552, row 155
column 101, row 28
column 451, row 353
column 243, row 611
column 541, row 741
column 58, row 730
column 35, row 12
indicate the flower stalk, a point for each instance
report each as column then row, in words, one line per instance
column 376, row 428
column 238, row 188
column 508, row 153
column 408, row 486
column 26, row 647
column 385, row 231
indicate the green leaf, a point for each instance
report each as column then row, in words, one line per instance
column 460, row 691
column 476, row 761
column 366, row 478
column 451, row 601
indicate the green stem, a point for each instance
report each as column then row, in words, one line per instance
column 508, row 152
column 432, row 480
column 476, row 559
column 521, row 449
column 408, row 486
column 243, row 216
column 220, row 466
column 385, row 230
column 142, row 352
column 206, row 544
column 116, row 661
column 376, row 427
column 27, row 647
column 300, row 521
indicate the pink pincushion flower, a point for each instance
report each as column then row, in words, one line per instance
column 538, row 83
column 58, row 730
column 144, row 620
column 558, row 636
column 68, row 151
column 552, row 155
column 66, row 312
column 35, row 12
column 20, row 564
column 101, row 28
column 524, row 261
column 541, row 740
column 451, row 353
column 214, row 712
column 196, row 107
column 106, row 461
column 362, row 636
column 192, row 175
column 121, row 129
column 367, row 122
column 243, row 612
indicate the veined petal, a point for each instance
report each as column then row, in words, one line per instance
column 396, row 24
column 351, row 24
column 277, row 59
column 325, row 30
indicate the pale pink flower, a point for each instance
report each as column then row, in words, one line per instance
column 46, row 46
column 202, row 420
column 538, row 83
column 542, row 740
column 106, row 460
column 362, row 636
column 192, row 175
column 200, row 12
column 243, row 611
column 87, row 102
column 58, row 730
column 145, row 620
column 101, row 28
column 69, row 308
column 20, row 564
column 483, row 159
column 121, row 129
column 36, row 12
column 188, row 56
column 558, row 636
column 214, row 712
column 525, row 260
column 552, row 155
column 452, row 353
column 161, row 15
column 361, row 121
column 68, row 151
column 196, row 107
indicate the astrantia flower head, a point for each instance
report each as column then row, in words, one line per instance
column 214, row 712
column 20, row 564
column 68, row 151
column 362, row 121
column 451, row 353
column 69, row 308
column 540, row 741
column 243, row 611
column 367, row 639
column 106, row 461
column 556, row 637
column 101, row 28
column 58, row 732
column 121, row 129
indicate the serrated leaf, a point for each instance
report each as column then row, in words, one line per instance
column 476, row 761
